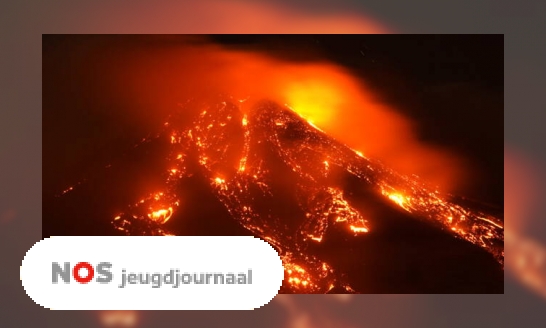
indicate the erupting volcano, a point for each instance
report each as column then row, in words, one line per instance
column 302, row 154
column 282, row 179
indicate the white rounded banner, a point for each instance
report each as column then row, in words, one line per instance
column 152, row 273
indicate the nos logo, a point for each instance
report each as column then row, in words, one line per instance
column 82, row 272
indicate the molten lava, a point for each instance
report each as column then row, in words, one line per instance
column 266, row 164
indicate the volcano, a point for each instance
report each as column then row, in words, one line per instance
column 341, row 222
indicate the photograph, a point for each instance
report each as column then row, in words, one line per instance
column 373, row 164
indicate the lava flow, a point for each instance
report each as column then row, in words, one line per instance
column 275, row 173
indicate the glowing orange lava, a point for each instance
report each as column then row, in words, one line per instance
column 398, row 199
column 247, row 188
column 162, row 215
column 359, row 229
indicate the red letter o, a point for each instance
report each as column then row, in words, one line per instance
column 76, row 272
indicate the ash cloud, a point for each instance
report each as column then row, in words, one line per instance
column 150, row 76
